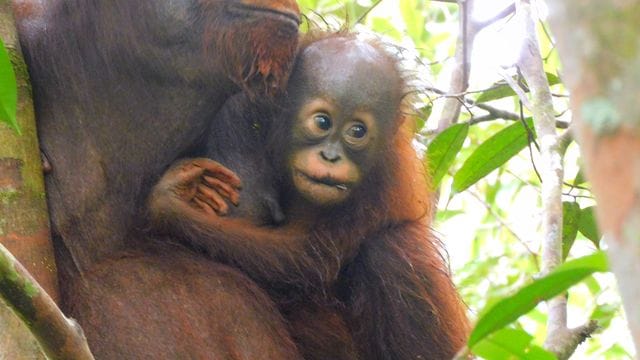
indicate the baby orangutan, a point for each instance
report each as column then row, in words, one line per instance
column 355, row 270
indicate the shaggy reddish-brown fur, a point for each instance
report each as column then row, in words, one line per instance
column 365, row 279
column 167, row 303
column 122, row 89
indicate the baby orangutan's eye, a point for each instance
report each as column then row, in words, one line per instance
column 357, row 131
column 322, row 121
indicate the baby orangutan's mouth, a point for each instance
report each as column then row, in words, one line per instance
column 325, row 180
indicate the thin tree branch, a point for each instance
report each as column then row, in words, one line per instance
column 524, row 181
column 490, row 117
column 502, row 223
column 363, row 16
column 503, row 114
column 571, row 338
column 467, row 92
column 560, row 340
column 533, row 161
column 579, row 196
column 460, row 74
column 59, row 337
column 508, row 10
column 485, row 118
column 494, row 113
column 565, row 140
column 517, row 89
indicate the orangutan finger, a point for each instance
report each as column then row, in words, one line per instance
column 188, row 173
column 202, row 199
column 204, row 206
column 223, row 188
column 214, row 197
column 219, row 171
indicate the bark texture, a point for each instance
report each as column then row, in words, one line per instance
column 24, row 223
column 599, row 45
column 550, row 168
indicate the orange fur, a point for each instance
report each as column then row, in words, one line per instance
column 364, row 279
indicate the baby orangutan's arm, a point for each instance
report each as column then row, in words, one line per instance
column 188, row 202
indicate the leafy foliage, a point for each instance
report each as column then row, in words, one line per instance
column 443, row 149
column 507, row 344
column 512, row 307
column 501, row 90
column 588, row 226
column 570, row 221
column 491, row 154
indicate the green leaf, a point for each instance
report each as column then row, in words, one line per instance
column 413, row 19
column 588, row 225
column 593, row 285
column 384, row 26
column 580, row 179
column 501, row 89
column 570, row 220
column 603, row 314
column 616, row 351
column 497, row 91
column 444, row 215
column 553, row 79
column 425, row 112
column 492, row 154
column 8, row 90
column 507, row 310
column 421, row 119
column 492, row 190
column 306, row 5
column 443, row 150
column 510, row 344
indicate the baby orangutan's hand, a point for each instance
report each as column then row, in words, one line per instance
column 217, row 183
column 201, row 182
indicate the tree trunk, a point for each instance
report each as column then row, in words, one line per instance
column 24, row 223
column 599, row 47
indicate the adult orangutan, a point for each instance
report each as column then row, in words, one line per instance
column 122, row 88
column 356, row 270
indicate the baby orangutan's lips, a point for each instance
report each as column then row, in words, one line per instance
column 326, row 180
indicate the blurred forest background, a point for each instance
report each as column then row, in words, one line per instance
column 485, row 167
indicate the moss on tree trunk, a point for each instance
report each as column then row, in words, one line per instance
column 24, row 223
